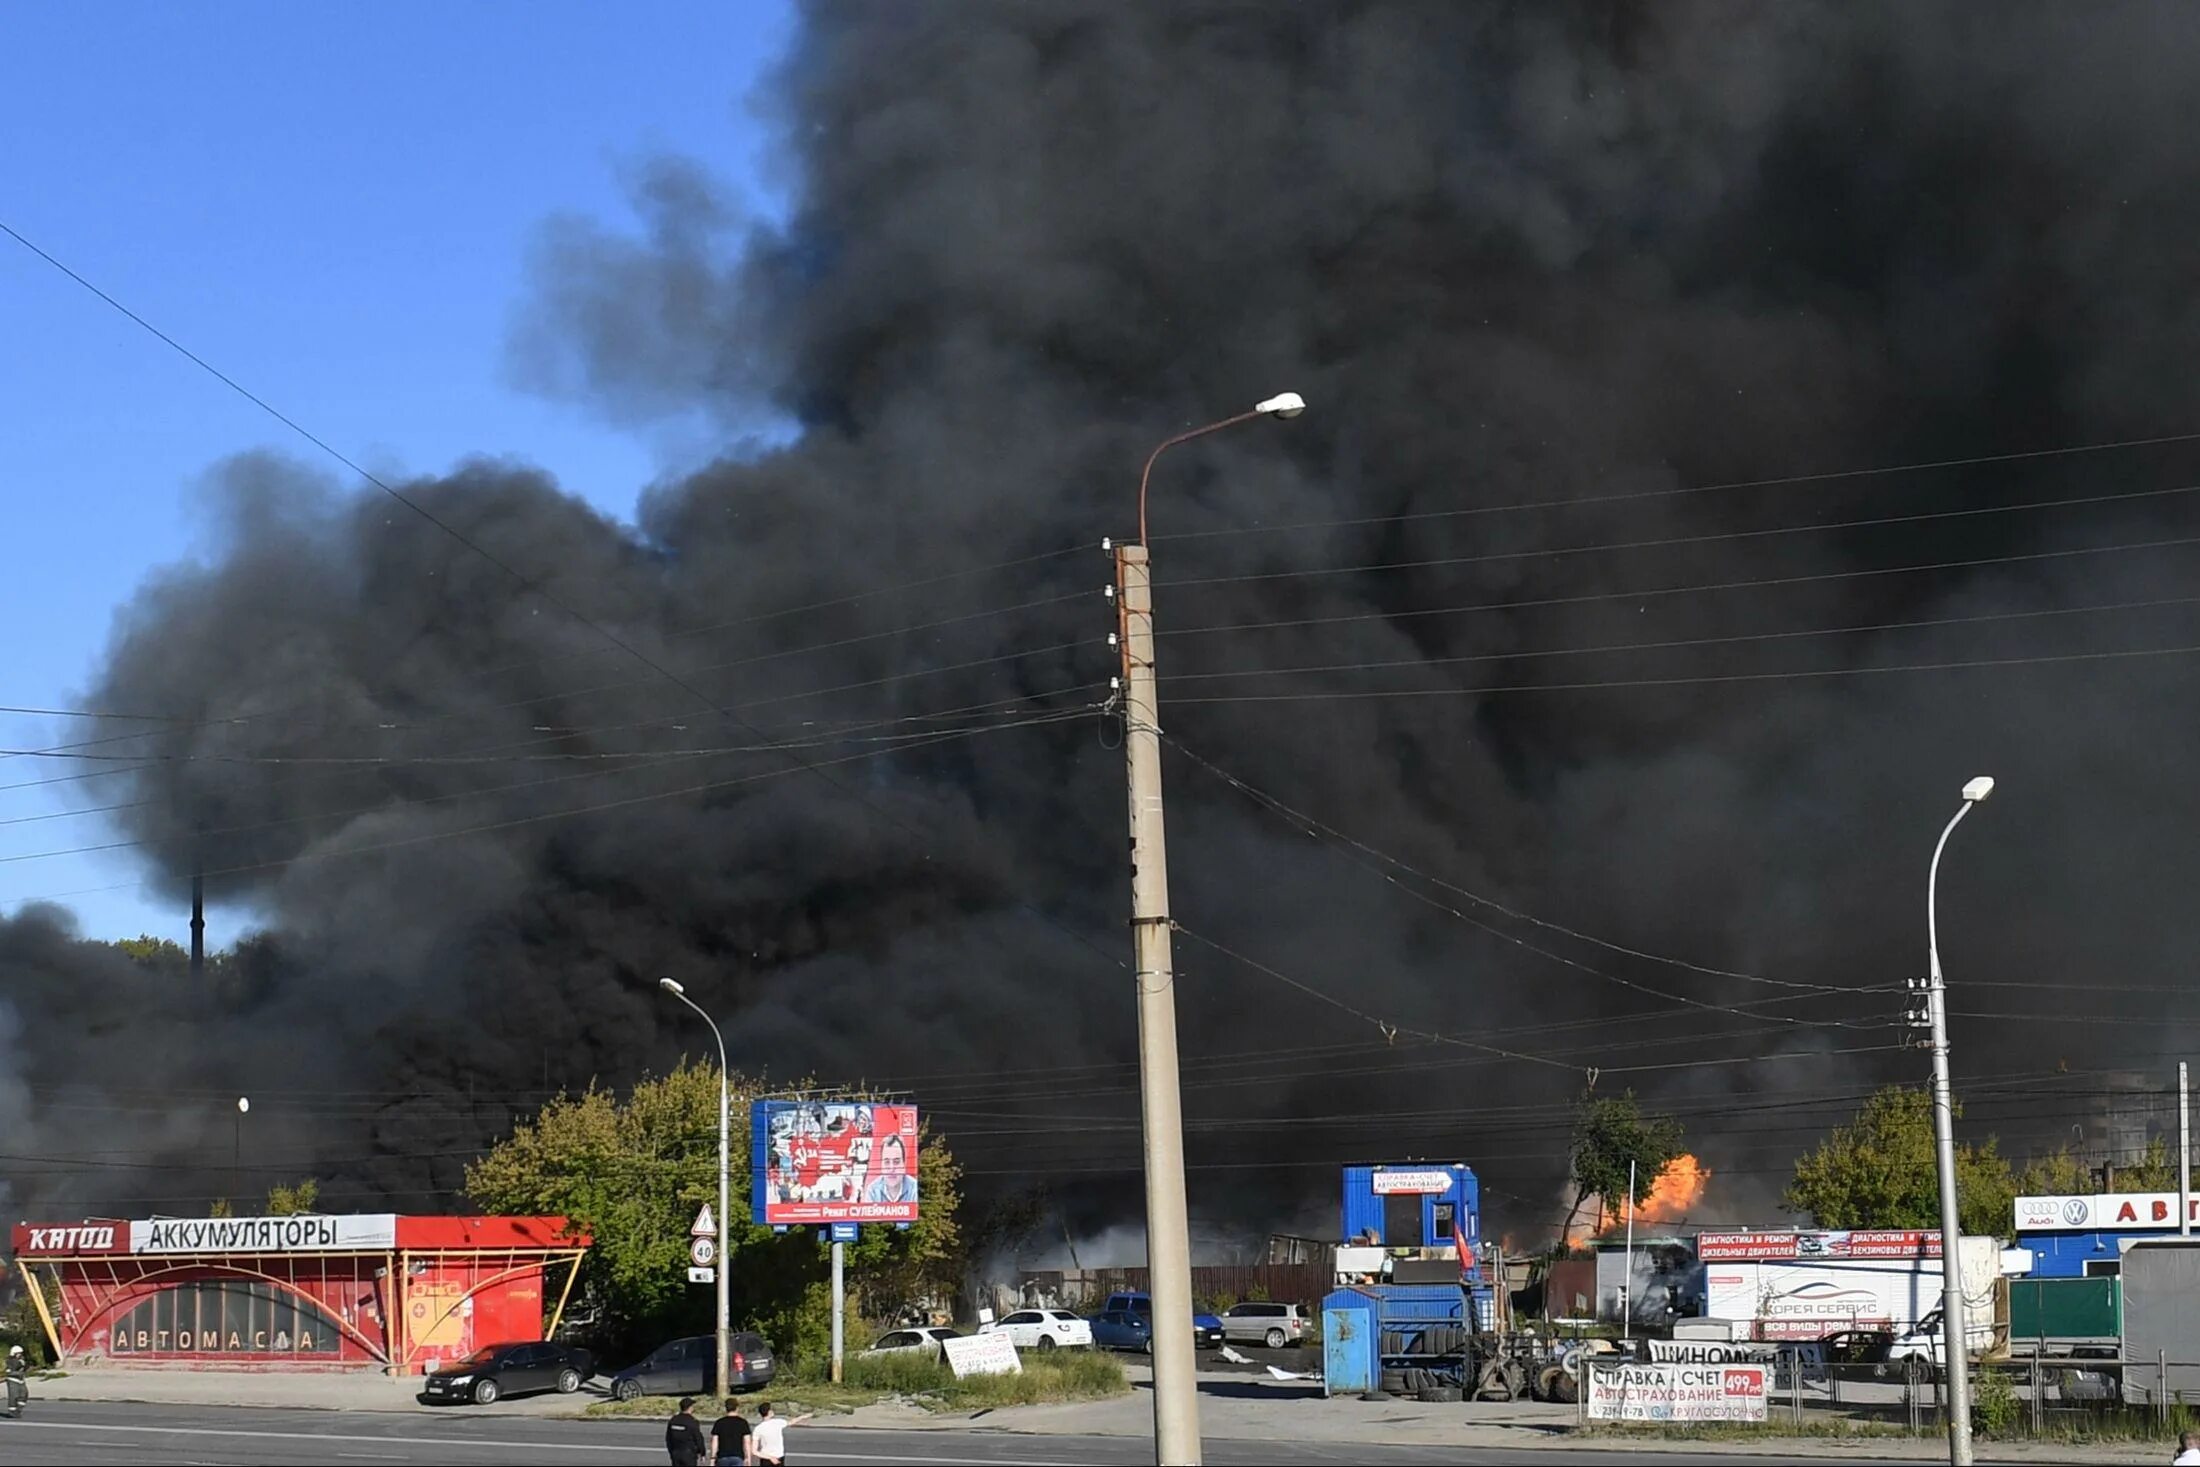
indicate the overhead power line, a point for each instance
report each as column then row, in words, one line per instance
column 1692, row 588
column 1699, row 680
column 529, row 584
column 1672, row 541
column 1632, row 496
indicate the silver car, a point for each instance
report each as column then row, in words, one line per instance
column 1273, row 1325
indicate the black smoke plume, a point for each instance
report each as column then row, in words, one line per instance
column 1513, row 255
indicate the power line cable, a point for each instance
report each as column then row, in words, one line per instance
column 1632, row 496
column 1530, row 654
column 1316, row 828
column 531, row 584
column 1705, row 679
column 1672, row 541
column 1646, row 593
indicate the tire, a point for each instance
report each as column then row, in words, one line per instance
column 1567, row 1391
column 1046, row 1343
column 1392, row 1383
column 1441, row 1395
column 1274, row 1339
column 486, row 1392
column 569, row 1381
column 1148, row 1345
column 629, row 1389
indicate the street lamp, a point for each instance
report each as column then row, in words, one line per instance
column 236, row 1157
column 725, row 1175
column 1168, row 1228
column 1944, row 1150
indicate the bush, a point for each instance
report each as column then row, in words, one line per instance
column 1059, row 1375
column 1995, row 1409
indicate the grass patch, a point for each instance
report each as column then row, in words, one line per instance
column 1057, row 1376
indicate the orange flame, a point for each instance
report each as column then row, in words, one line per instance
column 1680, row 1186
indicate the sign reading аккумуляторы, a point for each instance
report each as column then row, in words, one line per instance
column 301, row 1234
column 1674, row 1392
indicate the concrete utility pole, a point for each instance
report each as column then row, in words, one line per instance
column 2184, row 1153
column 840, row 1257
column 1952, row 1322
column 1168, row 1227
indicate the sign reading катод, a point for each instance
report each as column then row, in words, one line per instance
column 1679, row 1393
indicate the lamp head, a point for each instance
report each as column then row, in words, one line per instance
column 670, row 987
column 243, row 1105
column 1978, row 789
column 1282, row 405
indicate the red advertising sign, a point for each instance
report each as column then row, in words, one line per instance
column 68, row 1240
column 833, row 1162
column 1859, row 1243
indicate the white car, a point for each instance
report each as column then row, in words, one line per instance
column 1042, row 1329
column 912, row 1341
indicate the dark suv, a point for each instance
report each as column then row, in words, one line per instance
column 689, row 1367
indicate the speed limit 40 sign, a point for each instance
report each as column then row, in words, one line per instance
column 703, row 1252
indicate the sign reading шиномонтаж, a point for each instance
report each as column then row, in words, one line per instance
column 1675, row 1392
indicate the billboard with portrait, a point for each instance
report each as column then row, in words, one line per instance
column 828, row 1161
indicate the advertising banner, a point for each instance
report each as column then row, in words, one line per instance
column 358, row 1232
column 820, row 1161
column 1854, row 1243
column 981, row 1355
column 1676, row 1392
column 1395, row 1180
column 2102, row 1211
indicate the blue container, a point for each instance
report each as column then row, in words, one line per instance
column 1348, row 1352
column 1413, row 1218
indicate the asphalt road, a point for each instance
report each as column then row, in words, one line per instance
column 104, row 1433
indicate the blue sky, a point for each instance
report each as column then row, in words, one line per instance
column 334, row 204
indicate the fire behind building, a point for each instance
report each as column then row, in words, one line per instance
column 372, row 1290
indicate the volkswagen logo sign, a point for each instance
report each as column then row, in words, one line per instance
column 2074, row 1212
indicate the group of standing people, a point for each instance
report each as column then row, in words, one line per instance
column 731, row 1438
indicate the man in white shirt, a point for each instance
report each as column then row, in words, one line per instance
column 768, row 1437
column 2188, row 1450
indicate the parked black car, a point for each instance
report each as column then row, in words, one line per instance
column 509, row 1370
column 689, row 1367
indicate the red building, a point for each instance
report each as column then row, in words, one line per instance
column 362, row 1291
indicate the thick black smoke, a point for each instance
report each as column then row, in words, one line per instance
column 1517, row 255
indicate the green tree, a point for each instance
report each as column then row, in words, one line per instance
column 285, row 1201
column 632, row 1173
column 1878, row 1172
column 153, row 952
column 1609, row 1132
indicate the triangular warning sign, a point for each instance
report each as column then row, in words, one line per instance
column 705, row 1226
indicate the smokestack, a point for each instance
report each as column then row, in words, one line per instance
column 198, row 925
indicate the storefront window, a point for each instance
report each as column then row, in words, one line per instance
column 227, row 1317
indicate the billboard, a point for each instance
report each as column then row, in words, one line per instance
column 832, row 1161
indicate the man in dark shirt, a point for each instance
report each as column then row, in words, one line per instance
column 684, row 1436
column 729, row 1435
